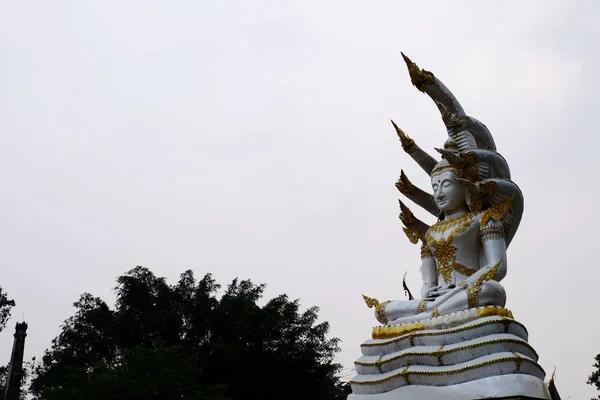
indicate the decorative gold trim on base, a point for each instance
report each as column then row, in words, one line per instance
column 391, row 331
column 494, row 311
column 446, row 331
column 443, row 350
column 404, row 373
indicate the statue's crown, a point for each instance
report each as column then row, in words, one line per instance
column 444, row 165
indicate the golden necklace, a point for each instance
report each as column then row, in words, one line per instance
column 443, row 249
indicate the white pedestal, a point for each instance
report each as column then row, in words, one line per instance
column 507, row 387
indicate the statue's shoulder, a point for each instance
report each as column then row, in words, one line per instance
column 494, row 215
column 484, row 220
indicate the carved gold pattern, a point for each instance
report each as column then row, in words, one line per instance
column 413, row 235
column 378, row 363
column 494, row 311
column 412, row 229
column 446, row 271
column 379, row 308
column 406, row 216
column 407, row 143
column 404, row 185
column 396, row 330
column 517, row 360
column 439, row 353
column 444, row 168
column 403, row 373
column 399, row 331
column 425, row 251
column 473, row 289
column 421, row 307
column 492, row 232
column 497, row 212
column 451, row 223
column 419, row 77
column 479, row 192
column 435, row 313
column 443, row 248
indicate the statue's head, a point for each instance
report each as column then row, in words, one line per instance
column 449, row 194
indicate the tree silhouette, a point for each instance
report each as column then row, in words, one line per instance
column 594, row 378
column 6, row 306
column 180, row 341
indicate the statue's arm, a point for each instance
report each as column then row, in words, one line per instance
column 494, row 249
column 429, row 273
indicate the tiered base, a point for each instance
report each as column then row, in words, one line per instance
column 505, row 387
column 470, row 354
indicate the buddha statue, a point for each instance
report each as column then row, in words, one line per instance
column 458, row 341
column 478, row 209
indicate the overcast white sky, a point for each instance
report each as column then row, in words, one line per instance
column 252, row 139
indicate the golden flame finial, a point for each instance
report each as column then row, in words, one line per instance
column 407, row 142
column 406, row 216
column 419, row 77
column 404, row 185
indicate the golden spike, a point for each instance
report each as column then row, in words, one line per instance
column 407, row 142
column 406, row 216
column 419, row 77
column 404, row 185
column 413, row 233
column 371, row 302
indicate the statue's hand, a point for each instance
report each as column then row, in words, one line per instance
column 438, row 291
column 441, row 290
column 427, row 290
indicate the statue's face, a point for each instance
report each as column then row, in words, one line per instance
column 449, row 195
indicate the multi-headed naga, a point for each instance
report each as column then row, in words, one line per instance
column 478, row 210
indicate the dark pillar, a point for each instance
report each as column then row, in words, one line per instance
column 15, row 368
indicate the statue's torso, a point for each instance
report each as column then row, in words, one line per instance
column 456, row 246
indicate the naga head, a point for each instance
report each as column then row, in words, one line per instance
column 472, row 175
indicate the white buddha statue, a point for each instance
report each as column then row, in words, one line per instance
column 463, row 256
column 478, row 208
column 458, row 341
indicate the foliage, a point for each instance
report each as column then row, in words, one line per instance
column 594, row 378
column 180, row 341
column 6, row 305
